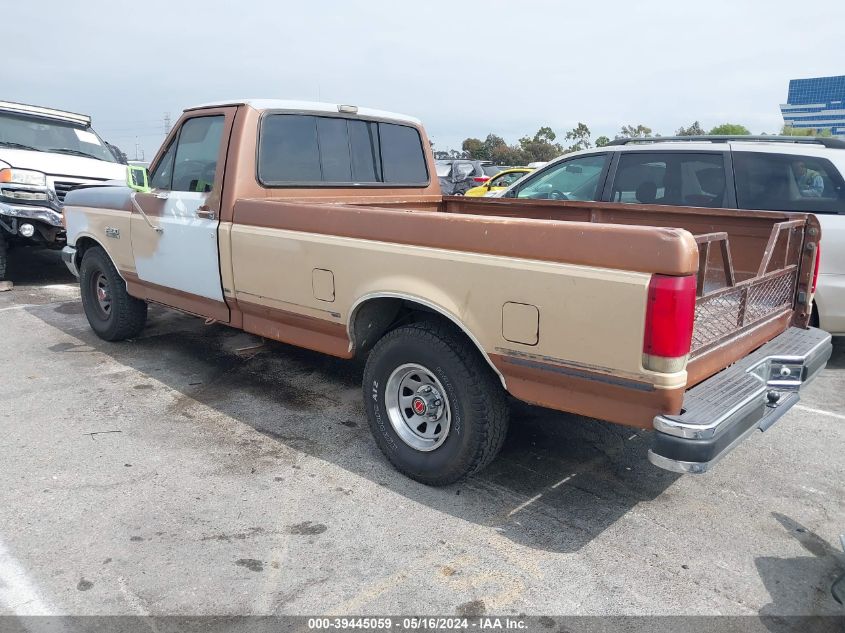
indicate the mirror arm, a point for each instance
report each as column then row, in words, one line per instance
column 137, row 206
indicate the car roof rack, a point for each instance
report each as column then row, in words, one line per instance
column 826, row 141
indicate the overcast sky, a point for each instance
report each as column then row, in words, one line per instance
column 465, row 68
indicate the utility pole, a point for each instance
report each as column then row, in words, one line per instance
column 166, row 123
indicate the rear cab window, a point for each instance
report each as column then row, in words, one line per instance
column 312, row 150
column 689, row 179
column 788, row 182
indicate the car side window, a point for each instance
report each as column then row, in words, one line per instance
column 677, row 178
column 162, row 175
column 197, row 148
column 506, row 180
column 788, row 182
column 574, row 179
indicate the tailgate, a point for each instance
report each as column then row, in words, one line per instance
column 739, row 308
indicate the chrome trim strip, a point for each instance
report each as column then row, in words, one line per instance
column 424, row 302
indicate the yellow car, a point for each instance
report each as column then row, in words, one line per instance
column 502, row 180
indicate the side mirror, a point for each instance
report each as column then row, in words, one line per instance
column 137, row 178
column 574, row 169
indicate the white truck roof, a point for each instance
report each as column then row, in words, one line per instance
column 308, row 106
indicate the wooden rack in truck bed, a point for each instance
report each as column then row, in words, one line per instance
column 323, row 226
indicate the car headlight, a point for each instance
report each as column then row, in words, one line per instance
column 23, row 177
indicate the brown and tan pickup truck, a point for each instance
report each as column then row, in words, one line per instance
column 323, row 226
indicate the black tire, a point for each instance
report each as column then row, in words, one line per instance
column 126, row 315
column 4, row 251
column 475, row 397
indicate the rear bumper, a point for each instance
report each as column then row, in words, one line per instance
column 751, row 394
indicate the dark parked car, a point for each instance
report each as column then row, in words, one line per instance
column 459, row 175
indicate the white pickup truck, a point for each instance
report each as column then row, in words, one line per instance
column 43, row 154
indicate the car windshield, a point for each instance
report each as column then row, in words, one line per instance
column 20, row 131
column 492, row 170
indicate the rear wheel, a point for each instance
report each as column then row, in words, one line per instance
column 113, row 314
column 436, row 409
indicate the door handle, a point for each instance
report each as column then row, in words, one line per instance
column 206, row 213
column 162, row 195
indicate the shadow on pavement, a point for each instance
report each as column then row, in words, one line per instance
column 37, row 266
column 800, row 585
column 560, row 481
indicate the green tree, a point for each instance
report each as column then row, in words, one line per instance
column 602, row 141
column 693, row 130
column 788, row 130
column 729, row 129
column 492, row 142
column 508, row 155
column 638, row 131
column 580, row 134
column 475, row 149
column 541, row 147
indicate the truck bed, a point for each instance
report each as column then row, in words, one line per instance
column 753, row 266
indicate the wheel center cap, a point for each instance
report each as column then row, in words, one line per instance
column 419, row 406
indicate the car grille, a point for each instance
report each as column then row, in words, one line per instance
column 62, row 187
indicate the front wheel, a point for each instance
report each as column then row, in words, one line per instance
column 437, row 411
column 113, row 313
column 4, row 249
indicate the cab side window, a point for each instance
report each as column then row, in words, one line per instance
column 788, row 182
column 162, row 175
column 575, row 179
column 676, row 178
column 196, row 154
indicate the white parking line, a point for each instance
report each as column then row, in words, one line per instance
column 838, row 416
column 18, row 307
column 522, row 506
column 17, row 594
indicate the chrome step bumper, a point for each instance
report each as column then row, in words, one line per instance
column 752, row 394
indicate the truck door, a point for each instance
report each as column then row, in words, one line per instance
column 174, row 227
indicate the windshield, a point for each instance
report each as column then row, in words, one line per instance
column 20, row 131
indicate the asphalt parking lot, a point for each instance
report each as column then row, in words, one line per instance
column 197, row 470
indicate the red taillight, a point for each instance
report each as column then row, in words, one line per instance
column 480, row 179
column 669, row 318
column 816, row 267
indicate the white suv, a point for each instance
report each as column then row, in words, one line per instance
column 760, row 172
